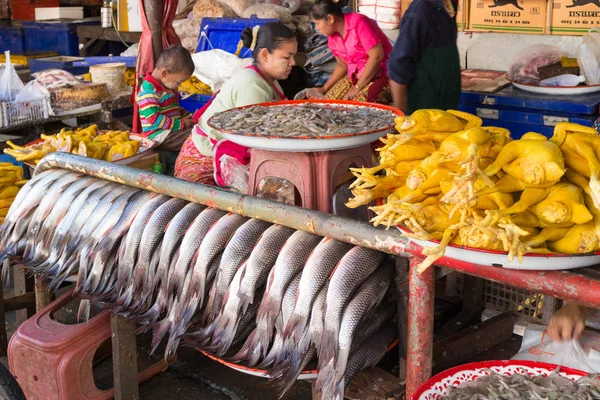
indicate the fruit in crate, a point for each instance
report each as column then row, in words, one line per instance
column 11, row 181
column 193, row 86
column 445, row 177
column 89, row 142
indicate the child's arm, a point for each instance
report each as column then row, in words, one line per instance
column 149, row 109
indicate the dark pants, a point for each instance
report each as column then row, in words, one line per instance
column 175, row 140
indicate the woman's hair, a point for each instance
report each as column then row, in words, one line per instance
column 322, row 8
column 270, row 36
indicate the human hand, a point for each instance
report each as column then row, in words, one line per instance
column 188, row 121
column 352, row 93
column 567, row 323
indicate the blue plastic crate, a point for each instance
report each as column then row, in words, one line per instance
column 65, row 63
column 53, row 36
column 89, row 61
column 194, row 102
column 11, row 39
column 224, row 33
column 10, row 159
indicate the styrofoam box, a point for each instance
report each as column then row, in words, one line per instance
column 46, row 13
column 377, row 10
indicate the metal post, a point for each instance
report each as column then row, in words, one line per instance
column 402, row 278
column 421, row 293
column 124, row 351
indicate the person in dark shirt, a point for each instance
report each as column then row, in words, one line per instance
column 424, row 67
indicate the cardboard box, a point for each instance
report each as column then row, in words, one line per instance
column 574, row 17
column 462, row 13
column 49, row 13
column 510, row 16
column 129, row 16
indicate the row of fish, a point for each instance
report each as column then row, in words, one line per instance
column 242, row 289
column 306, row 120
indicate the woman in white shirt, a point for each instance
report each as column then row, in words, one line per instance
column 273, row 48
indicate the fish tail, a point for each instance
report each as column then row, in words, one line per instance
column 261, row 338
column 295, row 327
column 339, row 390
column 83, row 313
column 293, row 370
column 159, row 333
column 326, row 380
column 272, row 356
column 6, row 272
column 224, row 333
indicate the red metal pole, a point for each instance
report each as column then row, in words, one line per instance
column 421, row 292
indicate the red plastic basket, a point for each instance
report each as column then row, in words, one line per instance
column 437, row 386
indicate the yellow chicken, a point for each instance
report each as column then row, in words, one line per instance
column 422, row 122
column 580, row 146
column 95, row 150
column 123, row 150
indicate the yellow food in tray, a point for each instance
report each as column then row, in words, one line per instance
column 194, row 86
column 446, row 177
column 88, row 142
column 11, row 181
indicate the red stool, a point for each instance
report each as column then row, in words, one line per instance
column 53, row 361
column 316, row 175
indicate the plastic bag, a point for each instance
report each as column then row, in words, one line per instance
column 269, row 11
column 215, row 67
column 212, row 9
column 524, row 67
column 32, row 91
column 309, row 93
column 238, row 6
column 290, row 5
column 277, row 189
column 235, row 174
column 10, row 83
column 588, row 57
column 537, row 346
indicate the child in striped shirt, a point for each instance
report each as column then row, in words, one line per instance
column 158, row 101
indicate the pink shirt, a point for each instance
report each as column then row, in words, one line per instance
column 362, row 34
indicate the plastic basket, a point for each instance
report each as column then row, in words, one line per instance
column 24, row 59
column 533, row 307
column 22, row 112
column 224, row 33
column 436, row 387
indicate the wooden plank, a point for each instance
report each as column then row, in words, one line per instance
column 19, row 302
column 124, row 349
column 402, row 269
column 375, row 384
column 42, row 296
column 476, row 339
column 3, row 334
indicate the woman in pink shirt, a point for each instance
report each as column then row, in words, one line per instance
column 361, row 50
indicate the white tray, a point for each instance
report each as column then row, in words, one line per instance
column 560, row 91
column 531, row 262
column 301, row 144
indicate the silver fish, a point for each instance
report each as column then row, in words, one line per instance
column 352, row 270
column 290, row 261
column 237, row 251
column 367, row 298
column 367, row 355
column 318, row 268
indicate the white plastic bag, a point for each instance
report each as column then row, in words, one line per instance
column 215, row 67
column 10, row 83
column 589, row 64
column 32, row 91
column 309, row 93
column 537, row 346
column 525, row 65
column 235, row 174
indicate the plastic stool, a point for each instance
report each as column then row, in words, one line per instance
column 316, row 175
column 53, row 361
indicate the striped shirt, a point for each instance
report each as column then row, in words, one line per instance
column 158, row 107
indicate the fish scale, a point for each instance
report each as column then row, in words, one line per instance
column 237, row 251
column 319, row 267
column 352, row 270
column 153, row 234
column 132, row 244
column 367, row 298
column 290, row 261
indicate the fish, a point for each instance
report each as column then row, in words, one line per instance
column 352, row 270
column 306, row 120
column 237, row 251
column 191, row 296
column 319, row 267
column 174, row 234
column 153, row 234
column 132, row 244
column 291, row 260
column 366, row 356
column 525, row 386
column 366, row 300
column 287, row 310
